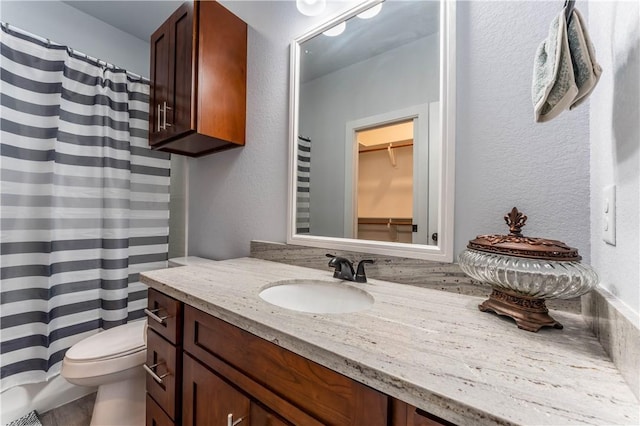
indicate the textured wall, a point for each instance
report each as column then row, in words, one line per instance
column 615, row 146
column 503, row 158
column 241, row 194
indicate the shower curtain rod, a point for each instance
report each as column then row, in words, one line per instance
column 72, row 51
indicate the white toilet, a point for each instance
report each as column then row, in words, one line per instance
column 112, row 360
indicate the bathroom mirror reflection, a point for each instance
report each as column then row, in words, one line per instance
column 371, row 138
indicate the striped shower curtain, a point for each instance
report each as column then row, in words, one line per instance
column 303, row 224
column 84, row 203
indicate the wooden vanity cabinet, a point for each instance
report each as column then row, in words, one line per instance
column 198, row 73
column 215, row 370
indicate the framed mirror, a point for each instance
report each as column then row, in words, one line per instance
column 372, row 131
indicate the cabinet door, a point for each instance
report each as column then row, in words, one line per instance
column 160, row 81
column 261, row 416
column 403, row 414
column 155, row 415
column 316, row 390
column 163, row 360
column 209, row 400
column 180, row 108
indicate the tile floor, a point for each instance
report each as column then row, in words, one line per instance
column 76, row 413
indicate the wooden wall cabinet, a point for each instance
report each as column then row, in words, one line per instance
column 227, row 376
column 197, row 102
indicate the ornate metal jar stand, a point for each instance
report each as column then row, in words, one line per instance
column 525, row 271
column 530, row 314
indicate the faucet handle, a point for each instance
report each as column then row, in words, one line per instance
column 361, row 277
column 334, row 260
column 343, row 267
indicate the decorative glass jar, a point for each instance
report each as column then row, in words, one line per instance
column 525, row 271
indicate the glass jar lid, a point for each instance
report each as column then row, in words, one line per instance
column 516, row 244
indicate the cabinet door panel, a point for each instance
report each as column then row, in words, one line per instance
column 163, row 358
column 159, row 89
column 403, row 414
column 180, row 116
column 208, row 399
column 260, row 416
column 324, row 394
column 155, row 415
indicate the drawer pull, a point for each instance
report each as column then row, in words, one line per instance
column 151, row 371
column 153, row 316
column 230, row 421
column 165, row 124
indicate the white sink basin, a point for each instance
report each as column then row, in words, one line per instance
column 316, row 296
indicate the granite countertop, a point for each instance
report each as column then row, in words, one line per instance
column 432, row 349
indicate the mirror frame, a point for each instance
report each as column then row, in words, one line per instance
column 443, row 252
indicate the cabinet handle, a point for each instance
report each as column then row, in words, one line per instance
column 165, row 124
column 151, row 371
column 158, row 115
column 230, row 421
column 153, row 316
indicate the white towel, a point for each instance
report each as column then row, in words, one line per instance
column 585, row 68
column 554, row 87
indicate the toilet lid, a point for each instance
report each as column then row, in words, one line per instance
column 111, row 343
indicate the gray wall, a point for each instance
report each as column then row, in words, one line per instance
column 615, row 146
column 403, row 77
column 66, row 25
column 502, row 157
column 240, row 195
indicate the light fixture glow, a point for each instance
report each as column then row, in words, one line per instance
column 337, row 30
column 311, row 7
column 370, row 13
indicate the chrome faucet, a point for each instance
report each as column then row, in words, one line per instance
column 344, row 269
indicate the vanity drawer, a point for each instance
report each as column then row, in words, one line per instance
column 403, row 414
column 165, row 316
column 324, row 394
column 163, row 367
column 155, row 415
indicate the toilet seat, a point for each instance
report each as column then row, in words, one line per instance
column 107, row 352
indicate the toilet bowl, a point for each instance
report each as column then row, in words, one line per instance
column 112, row 360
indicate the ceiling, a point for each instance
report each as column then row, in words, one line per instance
column 138, row 18
column 398, row 23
